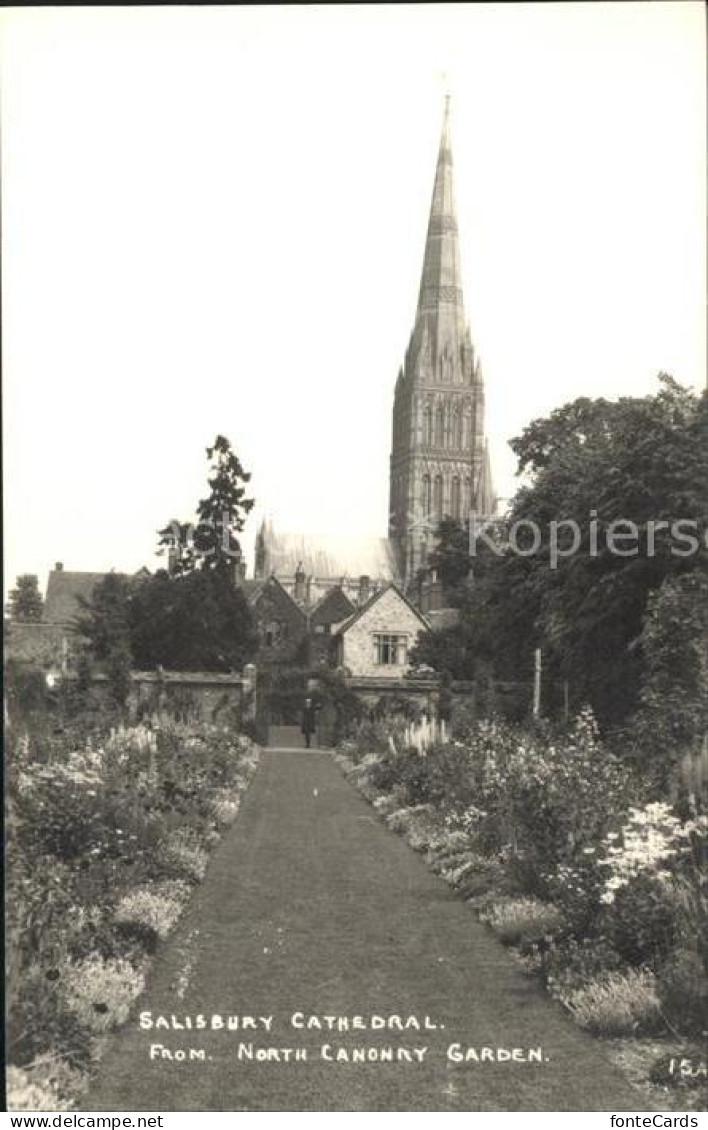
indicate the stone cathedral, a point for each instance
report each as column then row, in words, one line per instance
column 439, row 463
column 439, row 454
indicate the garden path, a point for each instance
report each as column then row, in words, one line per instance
column 311, row 905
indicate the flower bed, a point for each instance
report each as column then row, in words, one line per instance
column 105, row 843
column 599, row 886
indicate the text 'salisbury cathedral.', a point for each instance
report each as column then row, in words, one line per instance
column 439, row 454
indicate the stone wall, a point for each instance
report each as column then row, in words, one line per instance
column 422, row 695
column 208, row 696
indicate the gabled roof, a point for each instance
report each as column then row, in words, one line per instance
column 373, row 600
column 252, row 589
column 272, row 583
column 332, row 608
column 64, row 589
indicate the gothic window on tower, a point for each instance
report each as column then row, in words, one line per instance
column 455, row 499
column 427, row 494
column 438, row 495
column 439, row 426
column 468, row 496
column 447, row 425
column 457, row 428
column 467, row 428
column 428, row 426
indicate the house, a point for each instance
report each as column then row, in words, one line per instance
column 51, row 642
column 327, row 616
column 377, row 640
column 281, row 623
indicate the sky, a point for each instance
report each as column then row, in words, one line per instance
column 214, row 219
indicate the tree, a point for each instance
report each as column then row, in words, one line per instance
column 196, row 621
column 592, row 464
column 105, row 625
column 451, row 560
column 641, row 462
column 212, row 543
column 25, row 605
column 673, row 714
column 194, row 616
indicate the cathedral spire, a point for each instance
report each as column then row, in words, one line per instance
column 439, row 464
column 440, row 305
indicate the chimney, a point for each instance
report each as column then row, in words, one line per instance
column 59, row 566
column 300, row 583
column 364, row 589
column 172, row 559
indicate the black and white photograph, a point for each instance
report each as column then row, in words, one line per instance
column 355, row 433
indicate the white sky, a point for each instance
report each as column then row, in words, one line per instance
column 214, row 222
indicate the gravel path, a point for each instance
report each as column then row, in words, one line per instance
column 312, row 908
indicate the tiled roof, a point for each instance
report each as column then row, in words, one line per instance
column 61, row 604
column 334, row 607
column 372, row 600
column 251, row 589
column 330, row 556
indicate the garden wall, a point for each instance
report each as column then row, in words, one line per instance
column 205, row 695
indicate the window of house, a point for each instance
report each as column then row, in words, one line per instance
column 275, row 633
column 390, row 650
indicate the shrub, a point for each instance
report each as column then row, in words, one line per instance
column 570, row 963
column 149, row 910
column 100, row 991
column 24, row 1093
column 643, row 921
column 525, row 920
column 92, row 813
column 471, row 866
column 650, row 840
column 373, row 737
column 39, row 1019
column 484, row 876
column 224, row 807
column 182, row 855
column 617, row 1004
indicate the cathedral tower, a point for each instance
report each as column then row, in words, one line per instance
column 439, row 458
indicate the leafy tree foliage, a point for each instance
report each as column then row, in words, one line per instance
column 105, row 627
column 193, row 617
column 197, row 621
column 673, row 711
column 211, row 544
column 593, row 463
column 25, row 605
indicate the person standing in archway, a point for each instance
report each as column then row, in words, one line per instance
column 309, row 721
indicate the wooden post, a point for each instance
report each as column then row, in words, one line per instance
column 537, row 683
column 566, row 700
